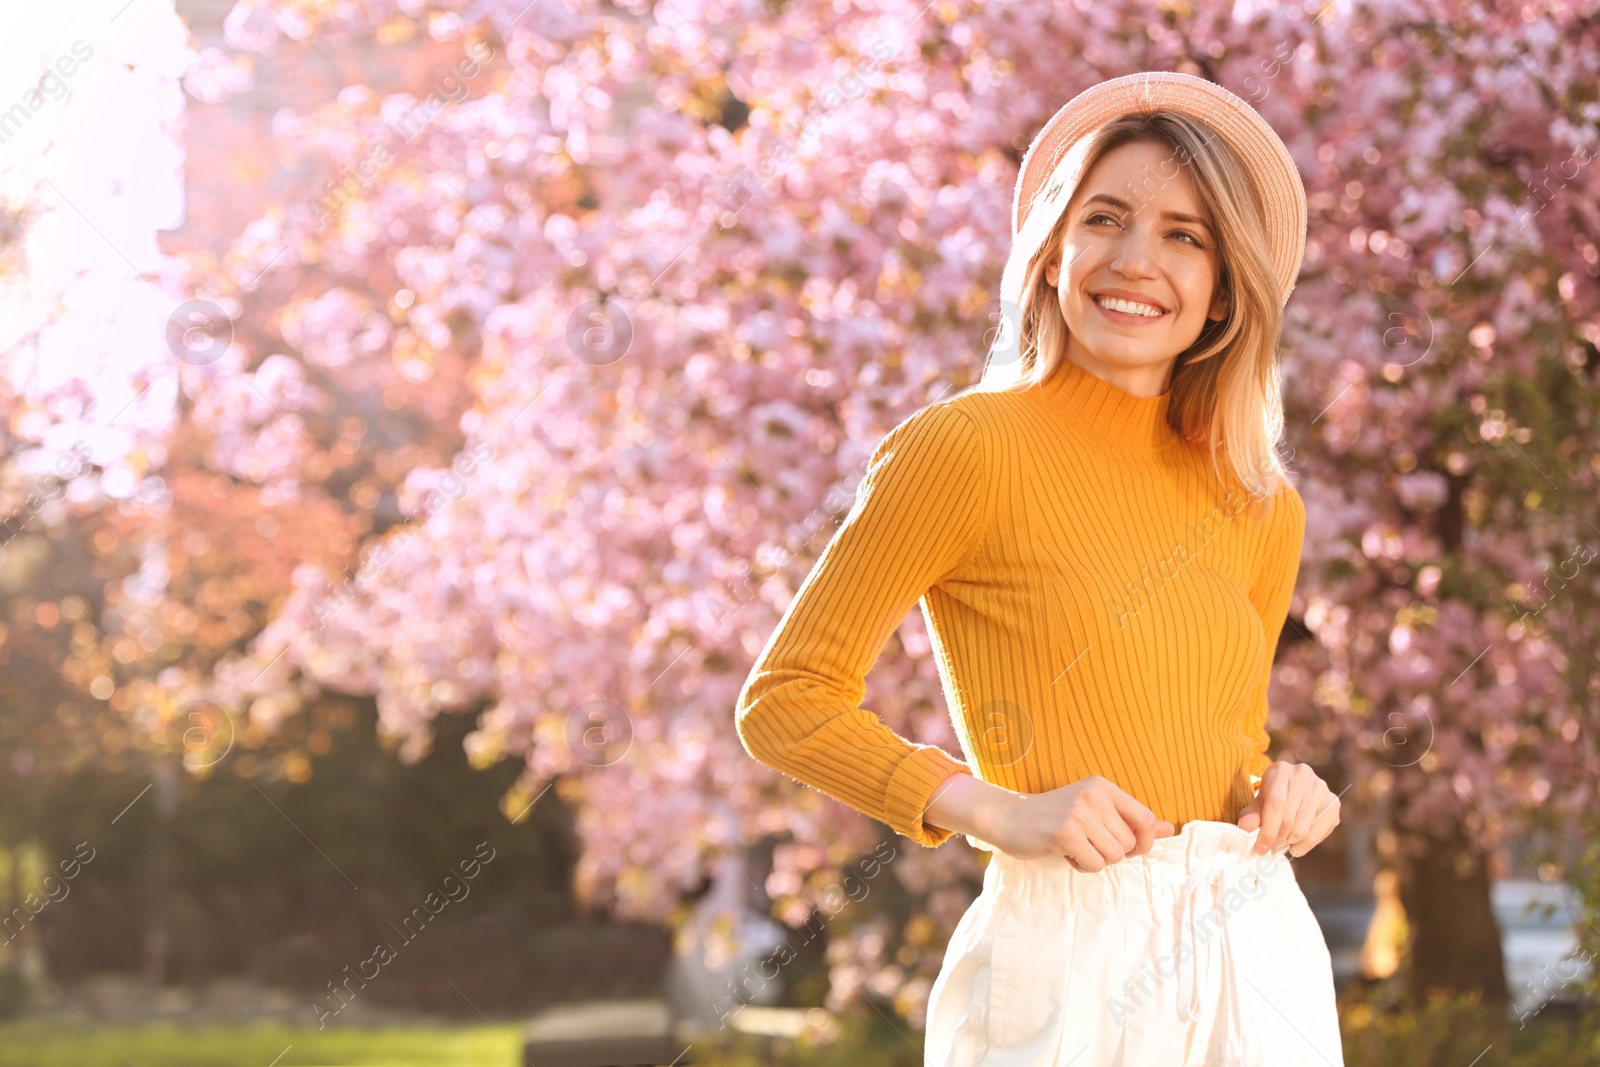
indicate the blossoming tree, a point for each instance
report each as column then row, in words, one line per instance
column 540, row 396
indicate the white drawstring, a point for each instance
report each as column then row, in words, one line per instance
column 1197, row 990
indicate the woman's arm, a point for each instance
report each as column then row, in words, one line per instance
column 1092, row 822
column 968, row 805
column 1270, row 595
column 921, row 511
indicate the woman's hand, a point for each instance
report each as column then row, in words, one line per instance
column 1293, row 807
column 1092, row 822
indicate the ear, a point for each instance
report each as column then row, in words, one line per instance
column 1052, row 273
column 1219, row 309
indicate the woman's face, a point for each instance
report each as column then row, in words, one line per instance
column 1135, row 233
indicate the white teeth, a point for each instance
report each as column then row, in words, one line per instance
column 1128, row 306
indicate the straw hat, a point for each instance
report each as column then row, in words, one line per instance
column 1053, row 166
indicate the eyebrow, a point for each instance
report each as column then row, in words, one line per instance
column 1123, row 205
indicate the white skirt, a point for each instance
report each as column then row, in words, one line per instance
column 1196, row 953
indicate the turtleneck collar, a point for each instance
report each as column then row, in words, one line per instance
column 1105, row 412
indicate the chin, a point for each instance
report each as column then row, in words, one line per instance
column 1125, row 355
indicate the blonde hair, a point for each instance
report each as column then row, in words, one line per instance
column 1225, row 386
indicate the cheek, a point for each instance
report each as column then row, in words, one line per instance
column 1075, row 308
column 1197, row 289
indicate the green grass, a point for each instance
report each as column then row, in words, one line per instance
column 73, row 1043
column 50, row 1043
column 1413, row 1039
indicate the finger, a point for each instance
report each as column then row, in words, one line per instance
column 1121, row 834
column 1099, row 836
column 1274, row 788
column 1075, row 844
column 1250, row 815
column 1082, row 854
column 1161, row 828
column 1328, row 806
column 1288, row 813
column 1296, row 805
column 1101, row 839
column 1297, row 784
column 1312, row 803
column 1140, row 821
column 1158, row 829
column 1105, row 825
column 1323, row 824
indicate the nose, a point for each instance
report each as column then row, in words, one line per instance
column 1135, row 253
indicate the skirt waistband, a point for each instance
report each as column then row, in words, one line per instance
column 1201, row 845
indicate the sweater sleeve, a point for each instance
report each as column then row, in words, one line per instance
column 920, row 511
column 1270, row 594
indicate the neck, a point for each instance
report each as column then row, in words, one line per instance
column 1107, row 412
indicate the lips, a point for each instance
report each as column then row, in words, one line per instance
column 1097, row 299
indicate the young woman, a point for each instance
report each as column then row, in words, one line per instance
column 1104, row 544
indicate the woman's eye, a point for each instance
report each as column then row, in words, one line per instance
column 1090, row 221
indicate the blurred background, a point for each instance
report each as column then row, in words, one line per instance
column 418, row 415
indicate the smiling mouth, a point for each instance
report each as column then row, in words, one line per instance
column 1128, row 307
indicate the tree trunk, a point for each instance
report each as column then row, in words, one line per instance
column 1455, row 941
column 153, row 961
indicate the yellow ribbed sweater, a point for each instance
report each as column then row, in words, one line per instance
column 1098, row 603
